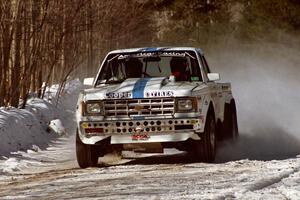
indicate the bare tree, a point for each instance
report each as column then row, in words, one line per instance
column 43, row 42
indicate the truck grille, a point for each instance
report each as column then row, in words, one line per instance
column 139, row 107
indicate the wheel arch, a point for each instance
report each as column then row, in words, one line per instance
column 229, row 109
column 229, row 103
column 233, row 104
column 210, row 109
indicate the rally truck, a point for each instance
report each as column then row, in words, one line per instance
column 148, row 99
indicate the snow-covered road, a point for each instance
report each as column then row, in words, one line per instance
column 54, row 174
column 262, row 165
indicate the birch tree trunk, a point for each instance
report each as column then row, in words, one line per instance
column 16, row 68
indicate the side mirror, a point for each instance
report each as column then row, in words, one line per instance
column 213, row 76
column 88, row 81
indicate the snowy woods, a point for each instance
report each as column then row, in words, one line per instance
column 47, row 41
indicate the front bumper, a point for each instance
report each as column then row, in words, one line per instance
column 140, row 131
column 127, row 139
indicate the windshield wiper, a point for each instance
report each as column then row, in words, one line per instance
column 109, row 81
column 114, row 81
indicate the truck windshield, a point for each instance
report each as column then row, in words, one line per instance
column 183, row 65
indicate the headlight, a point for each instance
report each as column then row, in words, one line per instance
column 93, row 108
column 186, row 105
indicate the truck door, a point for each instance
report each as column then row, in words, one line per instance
column 215, row 88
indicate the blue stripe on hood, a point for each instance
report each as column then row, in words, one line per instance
column 139, row 87
column 150, row 49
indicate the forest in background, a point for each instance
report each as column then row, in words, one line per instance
column 43, row 42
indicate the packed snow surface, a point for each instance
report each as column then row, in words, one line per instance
column 53, row 174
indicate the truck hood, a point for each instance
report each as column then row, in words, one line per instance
column 138, row 88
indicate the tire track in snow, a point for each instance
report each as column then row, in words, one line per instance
column 269, row 181
column 35, row 179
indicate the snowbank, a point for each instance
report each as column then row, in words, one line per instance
column 23, row 129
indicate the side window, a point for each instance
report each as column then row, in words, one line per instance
column 196, row 74
column 205, row 65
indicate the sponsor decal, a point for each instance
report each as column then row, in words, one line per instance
column 160, row 94
column 173, row 54
column 123, row 57
column 141, row 136
column 138, row 92
column 146, row 53
column 118, row 95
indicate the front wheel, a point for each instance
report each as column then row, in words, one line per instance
column 204, row 150
column 87, row 155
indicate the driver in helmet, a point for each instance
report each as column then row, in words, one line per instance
column 133, row 68
column 179, row 69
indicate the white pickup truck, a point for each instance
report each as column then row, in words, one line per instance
column 154, row 98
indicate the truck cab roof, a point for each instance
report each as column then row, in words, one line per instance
column 153, row 49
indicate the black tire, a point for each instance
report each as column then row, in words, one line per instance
column 230, row 130
column 204, row 150
column 87, row 155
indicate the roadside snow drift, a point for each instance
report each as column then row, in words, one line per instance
column 21, row 129
column 40, row 122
